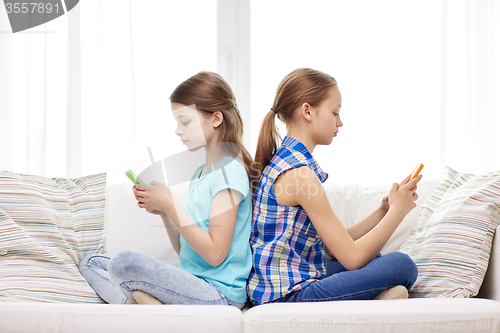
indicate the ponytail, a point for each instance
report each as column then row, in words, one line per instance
column 303, row 85
column 267, row 143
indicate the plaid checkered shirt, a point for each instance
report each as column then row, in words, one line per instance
column 288, row 254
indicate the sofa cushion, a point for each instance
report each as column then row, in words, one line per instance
column 110, row 318
column 402, row 315
column 46, row 227
column 452, row 239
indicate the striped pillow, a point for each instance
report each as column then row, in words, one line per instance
column 452, row 238
column 46, row 227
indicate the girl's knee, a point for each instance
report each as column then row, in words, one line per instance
column 121, row 262
column 407, row 267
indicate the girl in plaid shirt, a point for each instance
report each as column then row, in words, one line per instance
column 293, row 223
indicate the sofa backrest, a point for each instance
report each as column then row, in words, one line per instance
column 352, row 202
column 130, row 227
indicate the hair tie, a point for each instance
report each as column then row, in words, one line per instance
column 275, row 111
column 235, row 105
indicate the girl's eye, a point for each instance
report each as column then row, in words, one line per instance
column 185, row 123
column 336, row 114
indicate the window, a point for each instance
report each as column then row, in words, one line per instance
column 385, row 56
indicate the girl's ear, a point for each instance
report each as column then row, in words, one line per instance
column 217, row 119
column 306, row 111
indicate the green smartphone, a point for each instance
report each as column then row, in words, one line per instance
column 133, row 177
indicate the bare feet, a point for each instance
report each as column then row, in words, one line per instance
column 129, row 301
column 397, row 292
column 144, row 298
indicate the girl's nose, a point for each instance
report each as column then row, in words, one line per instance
column 178, row 131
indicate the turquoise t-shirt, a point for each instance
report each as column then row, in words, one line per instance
column 231, row 275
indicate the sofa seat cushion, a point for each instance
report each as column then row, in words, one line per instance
column 422, row 315
column 105, row 318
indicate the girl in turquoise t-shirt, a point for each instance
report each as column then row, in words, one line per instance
column 212, row 235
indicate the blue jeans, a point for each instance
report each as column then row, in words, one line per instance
column 115, row 279
column 381, row 273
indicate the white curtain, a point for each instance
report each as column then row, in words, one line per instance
column 470, row 91
column 88, row 92
column 32, row 80
column 419, row 80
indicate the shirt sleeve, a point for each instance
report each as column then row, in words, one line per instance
column 231, row 175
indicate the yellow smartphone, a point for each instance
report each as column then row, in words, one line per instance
column 415, row 172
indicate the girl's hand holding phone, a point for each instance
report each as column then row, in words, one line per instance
column 385, row 201
column 403, row 195
column 155, row 198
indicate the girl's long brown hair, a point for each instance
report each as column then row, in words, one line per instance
column 209, row 92
column 303, row 85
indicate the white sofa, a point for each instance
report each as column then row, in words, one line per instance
column 129, row 227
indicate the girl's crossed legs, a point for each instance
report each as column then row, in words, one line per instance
column 382, row 273
column 116, row 279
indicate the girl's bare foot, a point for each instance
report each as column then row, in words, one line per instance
column 397, row 292
column 144, row 298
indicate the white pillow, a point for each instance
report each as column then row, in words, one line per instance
column 46, row 227
column 452, row 238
